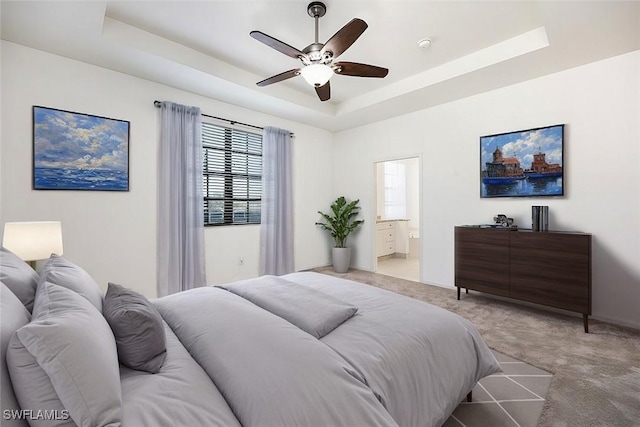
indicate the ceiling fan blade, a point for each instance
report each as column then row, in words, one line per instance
column 279, row 77
column 324, row 92
column 345, row 37
column 359, row 70
column 277, row 44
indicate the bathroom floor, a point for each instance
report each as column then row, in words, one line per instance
column 403, row 268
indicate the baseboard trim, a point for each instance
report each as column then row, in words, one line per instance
column 617, row 322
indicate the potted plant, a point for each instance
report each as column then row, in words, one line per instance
column 340, row 223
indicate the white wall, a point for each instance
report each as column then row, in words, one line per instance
column 380, row 190
column 113, row 234
column 600, row 105
column 413, row 195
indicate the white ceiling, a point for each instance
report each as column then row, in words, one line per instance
column 204, row 47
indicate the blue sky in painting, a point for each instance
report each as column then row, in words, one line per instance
column 78, row 141
column 523, row 145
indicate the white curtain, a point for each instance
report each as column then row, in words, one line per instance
column 276, row 231
column 181, row 262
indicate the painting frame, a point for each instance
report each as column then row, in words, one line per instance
column 79, row 151
column 523, row 163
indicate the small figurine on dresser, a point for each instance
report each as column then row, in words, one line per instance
column 502, row 221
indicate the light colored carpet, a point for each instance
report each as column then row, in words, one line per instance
column 596, row 376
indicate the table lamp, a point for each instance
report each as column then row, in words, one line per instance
column 33, row 241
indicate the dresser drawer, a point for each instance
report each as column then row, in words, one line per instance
column 551, row 268
column 386, row 225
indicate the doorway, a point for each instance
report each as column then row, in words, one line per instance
column 398, row 213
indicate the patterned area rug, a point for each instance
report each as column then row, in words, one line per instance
column 596, row 376
column 513, row 398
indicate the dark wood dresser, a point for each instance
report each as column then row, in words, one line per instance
column 551, row 268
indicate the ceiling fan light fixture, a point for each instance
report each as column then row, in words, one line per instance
column 317, row 74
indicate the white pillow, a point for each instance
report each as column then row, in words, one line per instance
column 66, row 359
column 14, row 316
column 18, row 276
column 61, row 271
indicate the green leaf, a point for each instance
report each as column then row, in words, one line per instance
column 340, row 223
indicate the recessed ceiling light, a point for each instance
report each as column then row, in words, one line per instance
column 424, row 43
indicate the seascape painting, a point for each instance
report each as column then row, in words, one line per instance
column 75, row 151
column 523, row 164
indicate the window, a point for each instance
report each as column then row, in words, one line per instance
column 232, row 175
column 395, row 190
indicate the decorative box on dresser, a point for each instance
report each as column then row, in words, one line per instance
column 551, row 268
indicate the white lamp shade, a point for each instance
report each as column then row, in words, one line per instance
column 317, row 74
column 32, row 241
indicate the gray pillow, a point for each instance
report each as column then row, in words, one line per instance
column 66, row 360
column 137, row 327
column 13, row 315
column 62, row 272
column 313, row 311
column 18, row 276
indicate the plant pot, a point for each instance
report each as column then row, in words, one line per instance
column 341, row 259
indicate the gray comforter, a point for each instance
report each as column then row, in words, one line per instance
column 419, row 359
column 396, row 361
column 181, row 394
column 270, row 372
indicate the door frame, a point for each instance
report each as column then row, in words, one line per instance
column 373, row 216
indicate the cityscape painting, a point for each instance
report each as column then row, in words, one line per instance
column 74, row 151
column 523, row 164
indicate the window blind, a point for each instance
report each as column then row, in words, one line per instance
column 232, row 175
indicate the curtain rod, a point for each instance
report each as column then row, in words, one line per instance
column 233, row 122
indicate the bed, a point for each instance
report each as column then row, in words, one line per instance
column 304, row 349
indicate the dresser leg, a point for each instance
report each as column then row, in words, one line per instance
column 585, row 318
column 470, row 397
column 466, row 290
column 458, row 292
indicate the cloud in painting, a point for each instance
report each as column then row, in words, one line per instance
column 523, row 145
column 77, row 141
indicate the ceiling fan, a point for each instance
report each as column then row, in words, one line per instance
column 318, row 59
